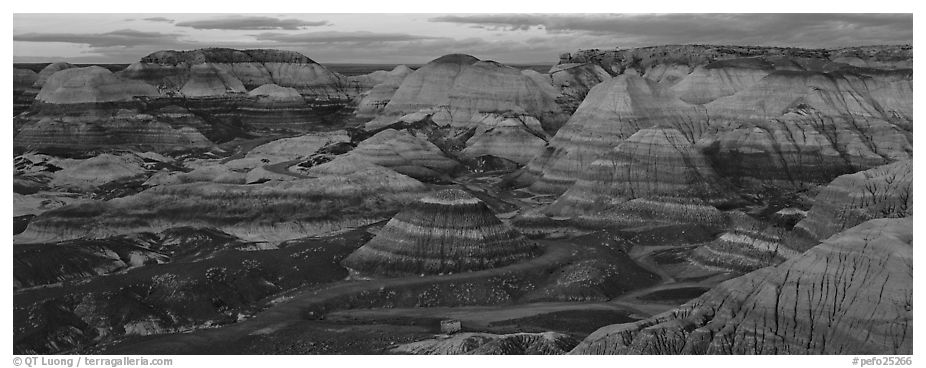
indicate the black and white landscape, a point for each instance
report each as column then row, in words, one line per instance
column 305, row 190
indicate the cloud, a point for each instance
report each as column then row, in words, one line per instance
column 517, row 39
column 123, row 37
column 251, row 23
column 807, row 30
column 339, row 37
column 159, row 19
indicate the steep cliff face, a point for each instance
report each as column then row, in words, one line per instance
column 851, row 294
column 462, row 85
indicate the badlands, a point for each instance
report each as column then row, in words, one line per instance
column 680, row 199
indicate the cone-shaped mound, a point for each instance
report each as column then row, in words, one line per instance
column 448, row 231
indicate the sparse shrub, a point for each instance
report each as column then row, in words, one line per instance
column 217, row 274
column 251, row 265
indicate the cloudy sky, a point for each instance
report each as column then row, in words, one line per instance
column 418, row 38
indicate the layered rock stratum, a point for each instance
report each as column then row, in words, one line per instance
column 656, row 175
column 269, row 212
column 89, row 108
column 462, row 85
column 851, row 294
column 655, row 58
column 884, row 191
column 22, row 84
column 171, row 70
column 92, row 84
column 447, row 231
column 778, row 117
column 405, row 153
column 513, row 137
column 380, row 86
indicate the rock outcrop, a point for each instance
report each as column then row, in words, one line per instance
column 48, row 71
column 575, row 80
column 851, row 294
column 42, row 264
column 655, row 59
column 382, row 86
column 98, row 170
column 269, row 212
column 513, row 137
column 209, row 81
column 120, row 130
column 215, row 83
column 612, row 112
column 82, row 109
column 655, row 175
column 462, row 85
column 884, row 191
column 89, row 85
column 288, row 149
column 212, row 173
column 762, row 121
column 170, row 70
column 272, row 107
column 405, row 153
column 22, row 84
column 24, row 94
column 448, row 231
column 746, row 245
column 806, row 127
